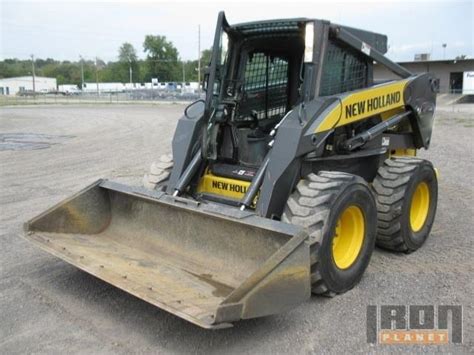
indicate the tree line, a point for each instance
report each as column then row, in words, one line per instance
column 162, row 61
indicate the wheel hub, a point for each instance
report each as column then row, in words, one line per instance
column 420, row 205
column 348, row 237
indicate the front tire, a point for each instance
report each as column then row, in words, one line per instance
column 339, row 212
column 407, row 197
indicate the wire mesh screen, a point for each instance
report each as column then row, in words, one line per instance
column 343, row 71
column 265, row 85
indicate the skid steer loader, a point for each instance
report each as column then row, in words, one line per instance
column 280, row 183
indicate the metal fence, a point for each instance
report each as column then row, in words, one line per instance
column 136, row 96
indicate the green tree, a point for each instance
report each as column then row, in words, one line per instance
column 127, row 59
column 162, row 59
column 15, row 67
column 114, row 72
column 190, row 70
column 65, row 72
column 127, row 53
column 191, row 66
column 206, row 57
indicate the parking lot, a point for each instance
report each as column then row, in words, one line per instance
column 47, row 306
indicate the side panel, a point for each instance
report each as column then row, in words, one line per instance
column 363, row 104
column 291, row 142
column 307, row 128
column 186, row 141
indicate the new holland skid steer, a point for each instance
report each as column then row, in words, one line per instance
column 280, row 184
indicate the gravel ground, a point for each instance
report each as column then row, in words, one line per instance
column 48, row 306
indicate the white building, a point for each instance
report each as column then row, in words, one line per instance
column 13, row 86
column 468, row 83
column 454, row 75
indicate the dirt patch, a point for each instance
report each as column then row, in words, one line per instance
column 29, row 141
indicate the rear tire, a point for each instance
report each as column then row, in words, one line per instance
column 319, row 203
column 157, row 178
column 407, row 196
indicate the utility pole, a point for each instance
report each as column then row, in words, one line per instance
column 444, row 50
column 199, row 56
column 82, row 73
column 184, row 75
column 34, row 74
column 97, row 77
column 130, row 67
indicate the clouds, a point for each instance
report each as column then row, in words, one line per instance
column 406, row 52
column 66, row 29
column 404, row 48
column 426, row 46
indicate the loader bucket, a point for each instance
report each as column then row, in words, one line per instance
column 207, row 263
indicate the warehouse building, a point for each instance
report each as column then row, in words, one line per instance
column 456, row 76
column 21, row 84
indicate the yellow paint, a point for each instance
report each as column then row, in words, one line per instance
column 365, row 103
column 403, row 152
column 420, row 206
column 222, row 186
column 348, row 237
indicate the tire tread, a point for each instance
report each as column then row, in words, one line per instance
column 309, row 206
column 390, row 186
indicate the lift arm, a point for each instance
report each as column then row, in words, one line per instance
column 359, row 45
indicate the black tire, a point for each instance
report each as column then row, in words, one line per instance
column 317, row 203
column 157, row 178
column 395, row 184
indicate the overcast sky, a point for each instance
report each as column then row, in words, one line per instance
column 67, row 29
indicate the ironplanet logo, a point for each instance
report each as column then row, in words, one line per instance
column 372, row 104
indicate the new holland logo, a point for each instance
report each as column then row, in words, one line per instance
column 220, row 185
column 372, row 104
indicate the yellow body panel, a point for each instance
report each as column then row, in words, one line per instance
column 365, row 103
column 222, row 186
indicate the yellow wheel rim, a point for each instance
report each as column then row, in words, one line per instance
column 420, row 206
column 348, row 237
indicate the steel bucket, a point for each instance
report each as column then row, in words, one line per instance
column 207, row 263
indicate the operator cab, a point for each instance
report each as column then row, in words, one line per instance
column 257, row 82
column 257, row 75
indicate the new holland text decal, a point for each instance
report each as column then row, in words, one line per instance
column 372, row 104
